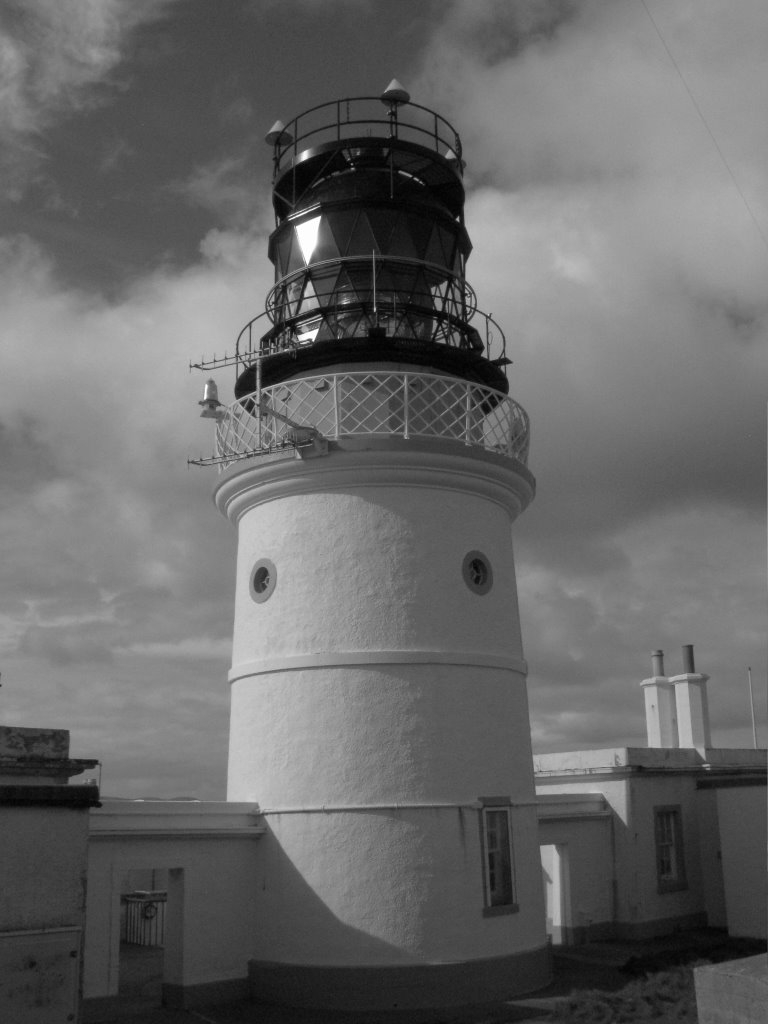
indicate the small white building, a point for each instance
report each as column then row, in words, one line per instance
column 640, row 842
column 208, row 856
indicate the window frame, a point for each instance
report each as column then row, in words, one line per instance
column 261, row 593
column 497, row 805
column 669, row 849
column 468, row 571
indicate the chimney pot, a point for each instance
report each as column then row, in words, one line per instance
column 660, row 709
column 688, row 666
column 691, row 704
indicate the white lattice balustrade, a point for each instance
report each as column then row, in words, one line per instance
column 372, row 404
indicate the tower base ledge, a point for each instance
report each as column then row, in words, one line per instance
column 382, row 991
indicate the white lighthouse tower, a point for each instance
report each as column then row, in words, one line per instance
column 373, row 466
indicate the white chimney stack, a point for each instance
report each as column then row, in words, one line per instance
column 691, row 704
column 660, row 706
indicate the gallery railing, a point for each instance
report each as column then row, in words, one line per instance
column 371, row 404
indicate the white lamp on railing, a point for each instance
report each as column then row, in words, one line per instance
column 210, row 403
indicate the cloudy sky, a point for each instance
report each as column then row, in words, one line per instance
column 617, row 173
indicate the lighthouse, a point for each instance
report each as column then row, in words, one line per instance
column 373, row 463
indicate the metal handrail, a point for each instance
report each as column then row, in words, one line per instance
column 255, row 340
column 371, row 404
column 439, row 132
column 467, row 302
column 250, row 341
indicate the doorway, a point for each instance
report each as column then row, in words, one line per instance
column 555, row 871
column 150, row 935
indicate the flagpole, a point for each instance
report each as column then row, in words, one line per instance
column 752, row 708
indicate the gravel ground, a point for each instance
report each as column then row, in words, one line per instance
column 600, row 966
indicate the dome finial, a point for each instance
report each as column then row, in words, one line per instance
column 277, row 135
column 395, row 95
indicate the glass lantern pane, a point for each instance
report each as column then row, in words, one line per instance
column 306, row 233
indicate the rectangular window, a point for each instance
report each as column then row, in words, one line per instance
column 670, row 862
column 498, row 860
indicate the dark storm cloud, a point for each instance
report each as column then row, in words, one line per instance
column 66, row 645
column 64, row 597
column 24, row 457
column 500, row 30
column 615, row 248
column 54, row 56
column 225, row 188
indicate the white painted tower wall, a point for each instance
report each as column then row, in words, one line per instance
column 376, row 699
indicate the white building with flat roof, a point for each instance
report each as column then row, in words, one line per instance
column 644, row 841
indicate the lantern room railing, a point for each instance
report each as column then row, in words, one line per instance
column 365, row 116
column 261, row 337
column 396, row 279
column 371, row 404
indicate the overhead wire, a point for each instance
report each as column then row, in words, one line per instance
column 704, row 121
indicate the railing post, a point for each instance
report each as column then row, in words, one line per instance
column 406, row 404
column 258, row 403
column 468, row 416
column 336, row 405
column 220, row 433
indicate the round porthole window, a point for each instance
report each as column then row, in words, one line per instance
column 477, row 572
column 263, row 580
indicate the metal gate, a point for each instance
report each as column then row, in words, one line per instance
column 143, row 918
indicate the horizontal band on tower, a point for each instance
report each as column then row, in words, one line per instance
column 357, row 463
column 340, row 659
column 402, row 805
